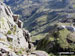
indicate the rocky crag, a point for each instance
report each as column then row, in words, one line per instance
column 14, row 40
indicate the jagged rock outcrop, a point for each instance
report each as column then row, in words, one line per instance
column 11, row 34
column 14, row 40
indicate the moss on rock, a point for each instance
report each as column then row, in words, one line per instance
column 9, row 32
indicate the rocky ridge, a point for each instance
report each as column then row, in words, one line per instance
column 14, row 40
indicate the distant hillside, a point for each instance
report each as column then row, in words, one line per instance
column 27, row 8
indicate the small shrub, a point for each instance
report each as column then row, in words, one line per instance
column 9, row 32
column 9, row 39
column 22, row 49
column 15, row 28
column 19, row 52
column 10, row 47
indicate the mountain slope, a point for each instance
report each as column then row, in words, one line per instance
column 38, row 15
column 57, row 41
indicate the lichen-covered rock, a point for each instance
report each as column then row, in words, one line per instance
column 3, row 37
column 14, row 40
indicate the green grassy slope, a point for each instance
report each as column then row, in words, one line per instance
column 39, row 15
column 56, row 41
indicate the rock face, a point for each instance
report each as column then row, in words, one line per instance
column 11, row 33
column 14, row 40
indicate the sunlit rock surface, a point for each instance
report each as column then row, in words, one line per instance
column 14, row 40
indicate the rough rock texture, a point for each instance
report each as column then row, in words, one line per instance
column 11, row 35
column 14, row 40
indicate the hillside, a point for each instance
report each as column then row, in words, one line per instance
column 38, row 15
column 57, row 41
column 50, row 22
